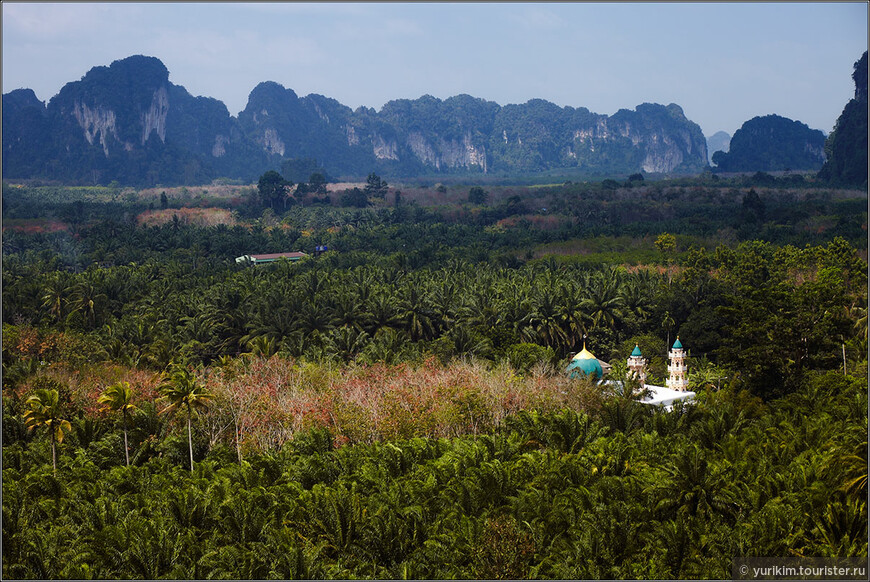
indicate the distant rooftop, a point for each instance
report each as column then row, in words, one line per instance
column 270, row 257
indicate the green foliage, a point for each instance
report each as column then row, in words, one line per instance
column 375, row 186
column 477, row 195
column 524, row 356
column 547, row 495
column 272, row 188
column 355, row 198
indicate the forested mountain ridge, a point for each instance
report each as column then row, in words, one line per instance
column 847, row 145
column 772, row 143
column 127, row 122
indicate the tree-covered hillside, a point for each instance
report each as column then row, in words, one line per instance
column 846, row 147
column 772, row 144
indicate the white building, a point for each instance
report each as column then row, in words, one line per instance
column 677, row 388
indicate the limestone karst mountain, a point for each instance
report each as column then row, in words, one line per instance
column 847, row 145
column 127, row 122
column 772, row 143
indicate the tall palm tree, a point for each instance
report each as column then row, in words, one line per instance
column 119, row 397
column 181, row 389
column 87, row 298
column 55, row 296
column 45, row 411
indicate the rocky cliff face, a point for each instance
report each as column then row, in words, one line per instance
column 154, row 118
column 127, row 122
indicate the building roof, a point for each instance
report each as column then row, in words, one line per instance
column 636, row 352
column 665, row 397
column 272, row 256
column 269, row 257
column 585, row 363
column 584, row 354
column 677, row 344
column 585, row 367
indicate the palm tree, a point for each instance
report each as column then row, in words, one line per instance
column 603, row 303
column 346, row 342
column 349, row 310
column 87, row 299
column 55, row 296
column 416, row 312
column 117, row 397
column 383, row 313
column 668, row 324
column 316, row 316
column 545, row 321
column 45, row 410
column 181, row 390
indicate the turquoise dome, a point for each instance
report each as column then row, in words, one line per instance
column 678, row 345
column 636, row 353
column 584, row 364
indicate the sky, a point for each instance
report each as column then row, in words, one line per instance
column 723, row 63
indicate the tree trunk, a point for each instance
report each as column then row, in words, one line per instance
column 844, row 359
column 238, row 447
column 189, row 439
column 126, row 446
column 53, row 453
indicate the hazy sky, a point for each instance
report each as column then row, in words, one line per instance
column 723, row 63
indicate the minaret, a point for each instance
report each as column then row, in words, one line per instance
column 677, row 378
column 637, row 365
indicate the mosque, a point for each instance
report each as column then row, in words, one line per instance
column 677, row 384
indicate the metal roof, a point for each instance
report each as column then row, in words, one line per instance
column 272, row 256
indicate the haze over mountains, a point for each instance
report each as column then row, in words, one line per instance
column 718, row 142
column 126, row 122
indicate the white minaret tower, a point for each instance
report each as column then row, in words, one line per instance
column 677, row 377
column 637, row 365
